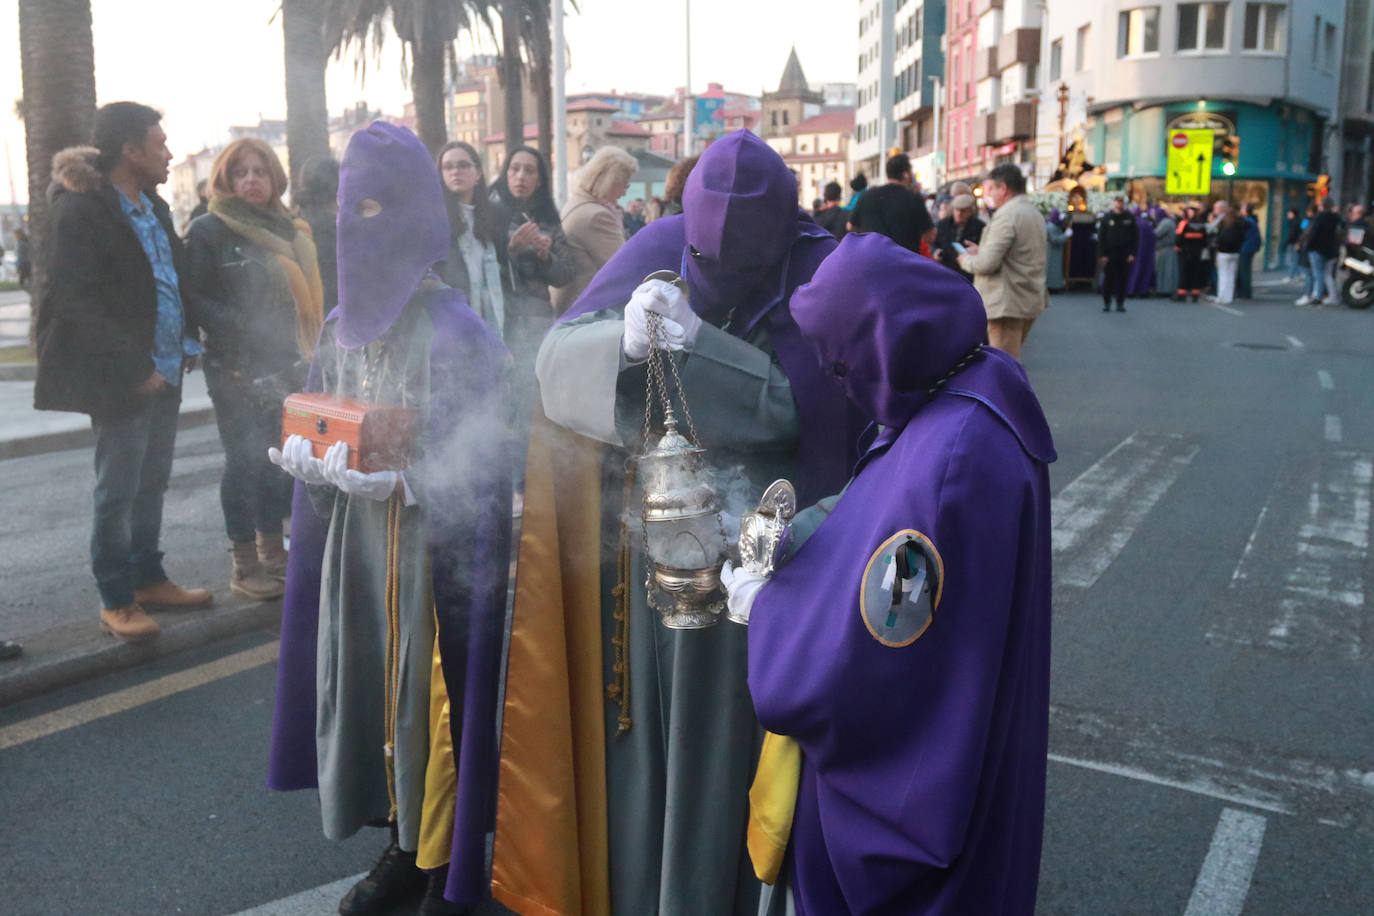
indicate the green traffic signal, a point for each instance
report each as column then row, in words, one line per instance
column 1228, row 168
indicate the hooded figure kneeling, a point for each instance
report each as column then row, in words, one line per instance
column 899, row 657
column 396, row 583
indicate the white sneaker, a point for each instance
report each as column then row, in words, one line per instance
column 1304, row 299
column 1329, row 300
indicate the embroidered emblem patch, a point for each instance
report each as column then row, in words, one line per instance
column 901, row 588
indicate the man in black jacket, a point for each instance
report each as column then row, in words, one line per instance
column 831, row 216
column 959, row 228
column 1117, row 241
column 112, row 342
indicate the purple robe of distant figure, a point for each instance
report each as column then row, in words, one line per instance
column 924, row 750
column 743, row 274
column 383, row 258
column 1141, row 281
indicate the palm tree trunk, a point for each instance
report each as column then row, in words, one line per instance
column 514, row 114
column 57, row 62
column 307, row 111
column 541, row 73
column 427, row 89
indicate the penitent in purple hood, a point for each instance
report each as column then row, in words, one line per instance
column 392, row 228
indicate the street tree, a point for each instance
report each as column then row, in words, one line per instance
column 307, row 55
column 427, row 28
column 57, row 68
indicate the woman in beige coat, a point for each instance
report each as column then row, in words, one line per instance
column 1008, row 266
column 592, row 219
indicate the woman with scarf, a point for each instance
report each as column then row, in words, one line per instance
column 472, row 265
column 257, row 295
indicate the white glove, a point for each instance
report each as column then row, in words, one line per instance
column 296, row 457
column 1068, row 233
column 741, row 587
column 378, row 485
column 680, row 323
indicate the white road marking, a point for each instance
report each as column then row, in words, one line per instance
column 1096, row 515
column 318, row 901
column 1313, row 566
column 1239, row 572
column 1297, row 344
column 122, row 700
column 1324, row 379
column 1224, row 308
column 1333, row 428
column 1198, row 786
column 1224, row 881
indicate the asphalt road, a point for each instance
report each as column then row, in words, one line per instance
column 1212, row 730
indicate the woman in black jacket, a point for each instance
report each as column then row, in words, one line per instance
column 534, row 255
column 258, row 298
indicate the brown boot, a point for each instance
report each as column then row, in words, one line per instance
column 168, row 594
column 248, row 579
column 128, row 623
column 272, row 555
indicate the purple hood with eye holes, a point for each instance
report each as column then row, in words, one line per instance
column 383, row 257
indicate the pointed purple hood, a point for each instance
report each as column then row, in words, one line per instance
column 383, row 257
column 739, row 201
column 889, row 323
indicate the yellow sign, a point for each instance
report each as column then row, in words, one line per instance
column 1189, row 155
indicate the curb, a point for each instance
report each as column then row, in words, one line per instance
column 76, row 652
column 83, row 437
column 18, row 372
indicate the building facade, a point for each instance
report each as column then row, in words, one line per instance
column 792, row 103
column 817, row 151
column 1263, row 76
column 875, row 127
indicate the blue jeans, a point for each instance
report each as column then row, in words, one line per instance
column 133, row 463
column 1317, row 264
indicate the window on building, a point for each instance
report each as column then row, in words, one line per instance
column 1032, row 75
column 1201, row 26
column 1080, row 61
column 775, row 119
column 1056, row 58
column 1329, row 44
column 784, row 117
column 1137, row 32
column 1316, row 37
column 1263, row 25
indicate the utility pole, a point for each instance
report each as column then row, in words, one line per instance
column 935, row 153
column 689, row 112
column 560, row 110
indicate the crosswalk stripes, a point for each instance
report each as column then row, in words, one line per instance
column 1095, row 516
column 1224, row 881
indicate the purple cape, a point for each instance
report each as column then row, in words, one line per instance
column 1141, row 282
column 468, row 513
column 923, row 775
column 754, row 247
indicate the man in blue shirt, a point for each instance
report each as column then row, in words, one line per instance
column 112, row 342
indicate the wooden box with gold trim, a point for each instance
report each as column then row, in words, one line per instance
column 380, row 437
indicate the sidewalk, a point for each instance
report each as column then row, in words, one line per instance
column 68, row 651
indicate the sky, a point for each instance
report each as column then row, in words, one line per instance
column 207, row 64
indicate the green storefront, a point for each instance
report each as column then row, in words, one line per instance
column 1274, row 169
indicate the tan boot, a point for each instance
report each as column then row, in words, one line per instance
column 128, row 623
column 272, row 555
column 168, row 594
column 248, row 579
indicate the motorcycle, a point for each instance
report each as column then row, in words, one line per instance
column 1357, row 290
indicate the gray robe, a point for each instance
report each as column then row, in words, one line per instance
column 678, row 781
column 1055, row 239
column 353, row 627
column 1166, row 258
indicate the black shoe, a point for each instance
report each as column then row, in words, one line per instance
column 393, row 881
column 1107, row 307
column 1120, row 307
column 434, row 903
column 9, row 650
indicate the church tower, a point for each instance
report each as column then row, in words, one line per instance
column 793, row 103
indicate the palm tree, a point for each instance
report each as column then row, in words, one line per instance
column 512, row 27
column 57, row 63
column 539, row 48
column 307, row 111
column 427, row 27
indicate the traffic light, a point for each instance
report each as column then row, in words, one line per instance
column 1230, row 154
column 1323, row 186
